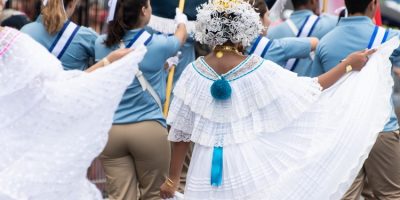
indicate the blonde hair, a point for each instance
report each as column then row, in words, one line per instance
column 54, row 15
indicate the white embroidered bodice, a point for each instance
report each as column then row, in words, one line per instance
column 265, row 98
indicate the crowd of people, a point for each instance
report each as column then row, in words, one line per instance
column 300, row 110
column 92, row 13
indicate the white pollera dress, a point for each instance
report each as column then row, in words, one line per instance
column 282, row 138
column 53, row 123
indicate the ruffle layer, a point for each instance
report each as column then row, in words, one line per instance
column 49, row 144
column 317, row 156
column 265, row 100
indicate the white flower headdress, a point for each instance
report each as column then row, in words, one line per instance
column 220, row 21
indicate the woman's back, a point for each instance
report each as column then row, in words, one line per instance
column 71, row 44
column 138, row 105
column 223, row 65
column 77, row 54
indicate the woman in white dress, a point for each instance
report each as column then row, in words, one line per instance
column 262, row 132
column 53, row 123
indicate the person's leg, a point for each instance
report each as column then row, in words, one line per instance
column 151, row 151
column 185, row 169
column 354, row 192
column 383, row 167
column 119, row 166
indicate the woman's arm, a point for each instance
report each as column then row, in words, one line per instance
column 179, row 151
column 113, row 56
column 181, row 21
column 355, row 61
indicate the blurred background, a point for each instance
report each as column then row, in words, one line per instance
column 93, row 13
column 90, row 13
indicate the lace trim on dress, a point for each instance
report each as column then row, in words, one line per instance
column 247, row 66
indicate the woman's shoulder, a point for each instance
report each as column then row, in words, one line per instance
column 87, row 33
column 33, row 28
column 100, row 40
column 247, row 66
column 163, row 40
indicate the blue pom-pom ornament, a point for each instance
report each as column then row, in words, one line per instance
column 221, row 89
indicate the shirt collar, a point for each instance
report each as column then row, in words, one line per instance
column 130, row 34
column 39, row 18
column 301, row 13
column 355, row 20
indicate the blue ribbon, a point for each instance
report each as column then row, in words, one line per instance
column 217, row 166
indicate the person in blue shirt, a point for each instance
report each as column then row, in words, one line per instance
column 48, row 27
column 304, row 10
column 137, row 152
column 283, row 49
column 185, row 57
column 165, row 8
column 357, row 32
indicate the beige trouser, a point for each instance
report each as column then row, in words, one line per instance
column 381, row 170
column 136, row 156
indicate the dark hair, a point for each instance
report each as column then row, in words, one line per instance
column 341, row 15
column 298, row 3
column 270, row 3
column 127, row 15
column 259, row 6
column 16, row 21
column 359, row 6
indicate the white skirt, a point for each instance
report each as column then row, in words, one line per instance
column 53, row 123
column 316, row 157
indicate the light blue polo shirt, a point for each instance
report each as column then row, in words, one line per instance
column 281, row 50
column 138, row 105
column 325, row 24
column 352, row 34
column 78, row 53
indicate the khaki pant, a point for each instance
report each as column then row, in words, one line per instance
column 381, row 170
column 136, row 156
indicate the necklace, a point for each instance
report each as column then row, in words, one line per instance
column 219, row 50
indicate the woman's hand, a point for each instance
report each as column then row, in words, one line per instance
column 167, row 189
column 117, row 54
column 358, row 59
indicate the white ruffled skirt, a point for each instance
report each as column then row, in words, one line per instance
column 316, row 157
column 53, row 123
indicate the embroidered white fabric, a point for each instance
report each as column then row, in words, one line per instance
column 220, row 123
column 53, row 123
column 312, row 153
column 277, row 9
column 220, row 21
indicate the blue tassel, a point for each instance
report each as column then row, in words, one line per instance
column 221, row 90
column 217, row 166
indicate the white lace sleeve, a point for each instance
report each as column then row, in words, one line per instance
column 176, row 135
column 181, row 120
